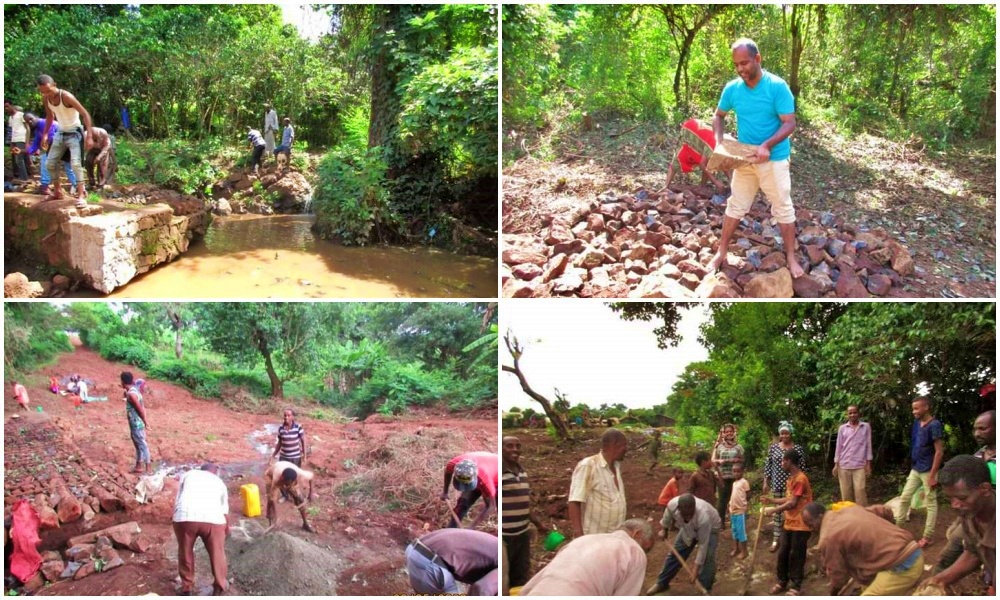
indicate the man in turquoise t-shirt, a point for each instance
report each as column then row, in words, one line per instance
column 765, row 110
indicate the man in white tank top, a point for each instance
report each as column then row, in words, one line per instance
column 64, row 108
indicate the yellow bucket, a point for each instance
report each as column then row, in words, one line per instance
column 839, row 505
column 251, row 500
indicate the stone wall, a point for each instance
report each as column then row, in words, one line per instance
column 103, row 245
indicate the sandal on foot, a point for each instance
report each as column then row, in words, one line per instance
column 778, row 588
column 80, row 203
column 924, row 542
column 793, row 592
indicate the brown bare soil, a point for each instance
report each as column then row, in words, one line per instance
column 550, row 466
column 186, row 431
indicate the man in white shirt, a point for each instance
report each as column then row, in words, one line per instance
column 18, row 139
column 601, row 564
column 597, row 492
column 202, row 511
column 698, row 523
column 270, row 127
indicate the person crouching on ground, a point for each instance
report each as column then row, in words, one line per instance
column 285, row 477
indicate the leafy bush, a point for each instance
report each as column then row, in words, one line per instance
column 350, row 199
column 394, row 385
column 32, row 335
column 129, row 351
column 179, row 164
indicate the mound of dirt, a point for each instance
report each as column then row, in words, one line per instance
column 278, row 564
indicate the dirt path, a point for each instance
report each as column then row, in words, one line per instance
column 186, row 430
column 550, row 466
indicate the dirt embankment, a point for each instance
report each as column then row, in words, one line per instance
column 550, row 467
column 185, row 431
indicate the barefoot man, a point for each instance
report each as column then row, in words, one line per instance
column 765, row 108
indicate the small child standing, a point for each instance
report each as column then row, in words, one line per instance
column 737, row 511
column 672, row 489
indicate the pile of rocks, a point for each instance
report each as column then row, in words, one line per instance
column 648, row 245
column 279, row 191
column 17, row 285
column 89, row 553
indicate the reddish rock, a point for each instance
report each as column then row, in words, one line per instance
column 669, row 270
column 660, row 286
column 86, row 569
column 595, row 222
column 817, row 255
column 569, row 248
column 69, row 509
column 882, row 255
column 558, row 233
column 689, row 280
column 555, row 267
column 637, row 266
column 520, row 256
column 902, row 262
column 773, row 262
column 691, row 242
column 612, row 253
column 770, row 285
column 35, row 583
column 52, row 569
column 849, row 285
column 811, row 286
column 879, row 284
column 643, row 252
column 692, row 266
column 526, row 271
column 655, row 239
column 586, row 235
column 717, row 285
column 624, row 235
column 516, row 288
column 590, row 257
column 567, row 283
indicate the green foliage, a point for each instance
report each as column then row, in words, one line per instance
column 33, row 335
column 128, row 350
column 894, row 70
column 187, row 166
column 394, row 385
column 351, row 198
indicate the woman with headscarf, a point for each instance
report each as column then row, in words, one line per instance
column 775, row 477
column 726, row 454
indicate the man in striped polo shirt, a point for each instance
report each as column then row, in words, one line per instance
column 516, row 514
column 291, row 440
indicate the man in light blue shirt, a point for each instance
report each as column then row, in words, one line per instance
column 287, row 139
column 765, row 110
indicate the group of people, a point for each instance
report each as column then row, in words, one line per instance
column 261, row 143
column 858, row 543
column 66, row 140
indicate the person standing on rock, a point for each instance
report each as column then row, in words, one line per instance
column 926, row 454
column 36, row 149
column 270, row 127
column 286, row 478
column 517, row 517
column 18, row 139
column 201, row 510
column 257, row 145
column 765, row 109
column 475, row 475
column 62, row 107
column 287, row 138
column 852, row 461
column 597, row 492
column 20, row 395
column 138, row 424
column 100, row 157
column 439, row 559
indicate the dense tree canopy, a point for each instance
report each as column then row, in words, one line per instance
column 928, row 69
column 806, row 362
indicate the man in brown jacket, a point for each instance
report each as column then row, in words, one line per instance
column 854, row 542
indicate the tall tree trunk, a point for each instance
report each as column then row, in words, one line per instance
column 901, row 37
column 798, row 30
column 385, row 107
column 516, row 351
column 178, row 325
column 277, row 386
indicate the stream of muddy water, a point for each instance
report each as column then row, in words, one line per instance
column 251, row 256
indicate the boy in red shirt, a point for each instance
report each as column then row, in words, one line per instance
column 697, row 143
column 672, row 489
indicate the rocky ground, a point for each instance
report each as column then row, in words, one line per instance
column 550, row 465
column 881, row 199
column 89, row 447
column 277, row 190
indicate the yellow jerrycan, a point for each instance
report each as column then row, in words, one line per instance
column 251, row 500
